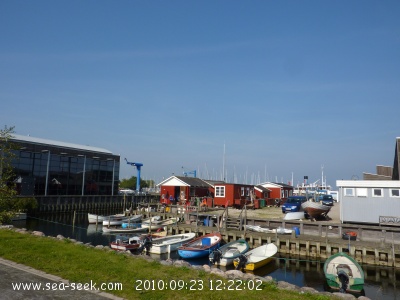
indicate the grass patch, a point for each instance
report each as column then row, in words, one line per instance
column 79, row 263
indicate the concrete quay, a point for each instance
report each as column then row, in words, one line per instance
column 375, row 245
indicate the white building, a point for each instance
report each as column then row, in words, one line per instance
column 370, row 201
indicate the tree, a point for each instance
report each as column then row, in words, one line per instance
column 9, row 203
column 131, row 183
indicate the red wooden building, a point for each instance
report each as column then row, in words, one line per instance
column 182, row 189
column 277, row 191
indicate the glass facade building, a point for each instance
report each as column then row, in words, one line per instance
column 44, row 167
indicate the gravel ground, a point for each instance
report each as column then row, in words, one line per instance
column 275, row 213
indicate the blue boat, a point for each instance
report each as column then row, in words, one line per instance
column 201, row 246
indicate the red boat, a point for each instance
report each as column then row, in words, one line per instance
column 131, row 244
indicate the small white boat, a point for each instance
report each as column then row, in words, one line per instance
column 256, row 258
column 154, row 220
column 282, row 230
column 160, row 224
column 170, row 243
column 258, row 228
column 93, row 218
column 118, row 221
column 294, row 216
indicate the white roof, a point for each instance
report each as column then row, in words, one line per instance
column 30, row 139
column 368, row 183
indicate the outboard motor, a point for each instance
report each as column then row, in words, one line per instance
column 217, row 254
column 242, row 262
column 344, row 280
column 146, row 245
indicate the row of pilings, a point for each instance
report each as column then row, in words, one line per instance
column 89, row 203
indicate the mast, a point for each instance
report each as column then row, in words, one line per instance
column 223, row 165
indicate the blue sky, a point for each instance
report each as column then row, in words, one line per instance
column 286, row 86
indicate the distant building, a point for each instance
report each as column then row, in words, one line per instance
column 45, row 167
column 387, row 172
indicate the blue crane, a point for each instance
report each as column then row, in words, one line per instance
column 189, row 172
column 138, row 167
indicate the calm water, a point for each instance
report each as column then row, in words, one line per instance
column 380, row 282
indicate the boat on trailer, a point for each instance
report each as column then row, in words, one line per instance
column 315, row 210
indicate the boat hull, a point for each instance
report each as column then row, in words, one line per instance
column 315, row 210
column 170, row 243
column 258, row 257
column 93, row 219
column 201, row 246
column 229, row 252
column 195, row 253
column 256, row 265
column 120, row 220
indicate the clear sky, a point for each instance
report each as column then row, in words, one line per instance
column 286, row 86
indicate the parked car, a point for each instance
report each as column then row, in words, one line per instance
column 327, row 200
column 293, row 204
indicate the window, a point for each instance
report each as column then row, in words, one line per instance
column 349, row 192
column 377, row 193
column 242, row 191
column 394, row 193
column 362, row 192
column 219, row 191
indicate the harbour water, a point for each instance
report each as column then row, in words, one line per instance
column 380, row 282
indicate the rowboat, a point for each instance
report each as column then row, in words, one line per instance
column 130, row 244
column 343, row 273
column 315, row 210
column 256, row 258
column 120, row 229
column 225, row 255
column 120, row 220
column 93, row 218
column 159, row 224
column 201, row 246
column 170, row 243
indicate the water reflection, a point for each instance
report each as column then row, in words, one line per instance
column 380, row 282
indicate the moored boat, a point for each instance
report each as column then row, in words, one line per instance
column 201, row 246
column 314, row 209
column 159, row 224
column 93, row 218
column 344, row 274
column 256, row 258
column 170, row 243
column 120, row 220
column 225, row 255
column 130, row 244
column 119, row 229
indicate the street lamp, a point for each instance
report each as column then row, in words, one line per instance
column 83, row 173
column 47, row 171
